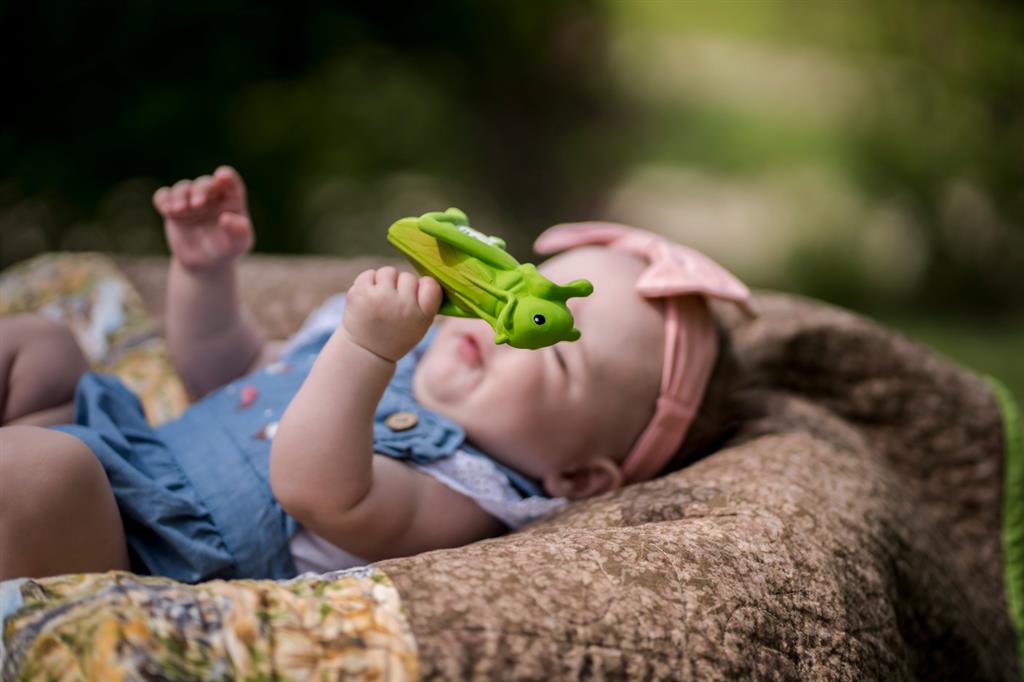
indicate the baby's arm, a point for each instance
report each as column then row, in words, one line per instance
column 207, row 225
column 322, row 467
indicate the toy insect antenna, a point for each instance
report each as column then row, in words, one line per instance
column 542, row 286
column 574, row 289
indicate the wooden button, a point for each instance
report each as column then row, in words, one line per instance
column 400, row 421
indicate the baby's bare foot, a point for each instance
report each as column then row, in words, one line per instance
column 206, row 220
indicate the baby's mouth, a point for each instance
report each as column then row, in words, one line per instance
column 469, row 350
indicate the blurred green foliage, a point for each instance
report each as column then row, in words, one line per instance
column 327, row 111
column 868, row 153
column 916, row 107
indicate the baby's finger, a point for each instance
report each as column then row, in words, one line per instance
column 160, row 198
column 179, row 196
column 429, row 295
column 200, row 191
column 238, row 229
column 227, row 180
column 364, row 278
column 406, row 284
column 387, row 275
column 234, row 222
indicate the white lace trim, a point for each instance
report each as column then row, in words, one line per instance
column 313, row 554
column 480, row 480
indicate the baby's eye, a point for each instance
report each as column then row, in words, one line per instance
column 538, row 320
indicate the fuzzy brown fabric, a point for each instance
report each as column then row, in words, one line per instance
column 849, row 529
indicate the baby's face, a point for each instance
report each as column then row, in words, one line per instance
column 542, row 411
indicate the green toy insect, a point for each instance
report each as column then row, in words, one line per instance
column 480, row 279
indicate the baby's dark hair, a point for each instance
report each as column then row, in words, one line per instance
column 718, row 417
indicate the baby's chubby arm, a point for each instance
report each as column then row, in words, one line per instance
column 322, row 467
column 207, row 225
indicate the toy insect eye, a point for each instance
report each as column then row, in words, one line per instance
column 538, row 320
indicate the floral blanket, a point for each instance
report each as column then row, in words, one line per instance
column 119, row 626
column 118, row 335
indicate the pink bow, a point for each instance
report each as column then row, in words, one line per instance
column 673, row 270
column 684, row 278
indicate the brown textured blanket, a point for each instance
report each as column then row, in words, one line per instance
column 849, row 529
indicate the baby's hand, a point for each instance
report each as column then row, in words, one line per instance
column 206, row 220
column 387, row 312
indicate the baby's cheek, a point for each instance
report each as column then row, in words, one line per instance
column 429, row 383
column 539, row 437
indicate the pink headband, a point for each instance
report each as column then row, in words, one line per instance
column 674, row 274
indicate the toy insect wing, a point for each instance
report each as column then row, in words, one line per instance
column 459, row 273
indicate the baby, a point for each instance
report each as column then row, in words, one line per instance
column 373, row 433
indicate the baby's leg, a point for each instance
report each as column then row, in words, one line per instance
column 57, row 511
column 40, row 365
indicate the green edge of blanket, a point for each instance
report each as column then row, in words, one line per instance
column 1013, row 511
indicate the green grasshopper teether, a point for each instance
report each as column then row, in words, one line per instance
column 480, row 279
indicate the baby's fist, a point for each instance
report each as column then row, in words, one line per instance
column 388, row 312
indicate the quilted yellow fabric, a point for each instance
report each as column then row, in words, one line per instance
column 119, row 626
column 118, row 335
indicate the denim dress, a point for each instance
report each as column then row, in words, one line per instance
column 194, row 493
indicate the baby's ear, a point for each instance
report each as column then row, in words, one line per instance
column 588, row 479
